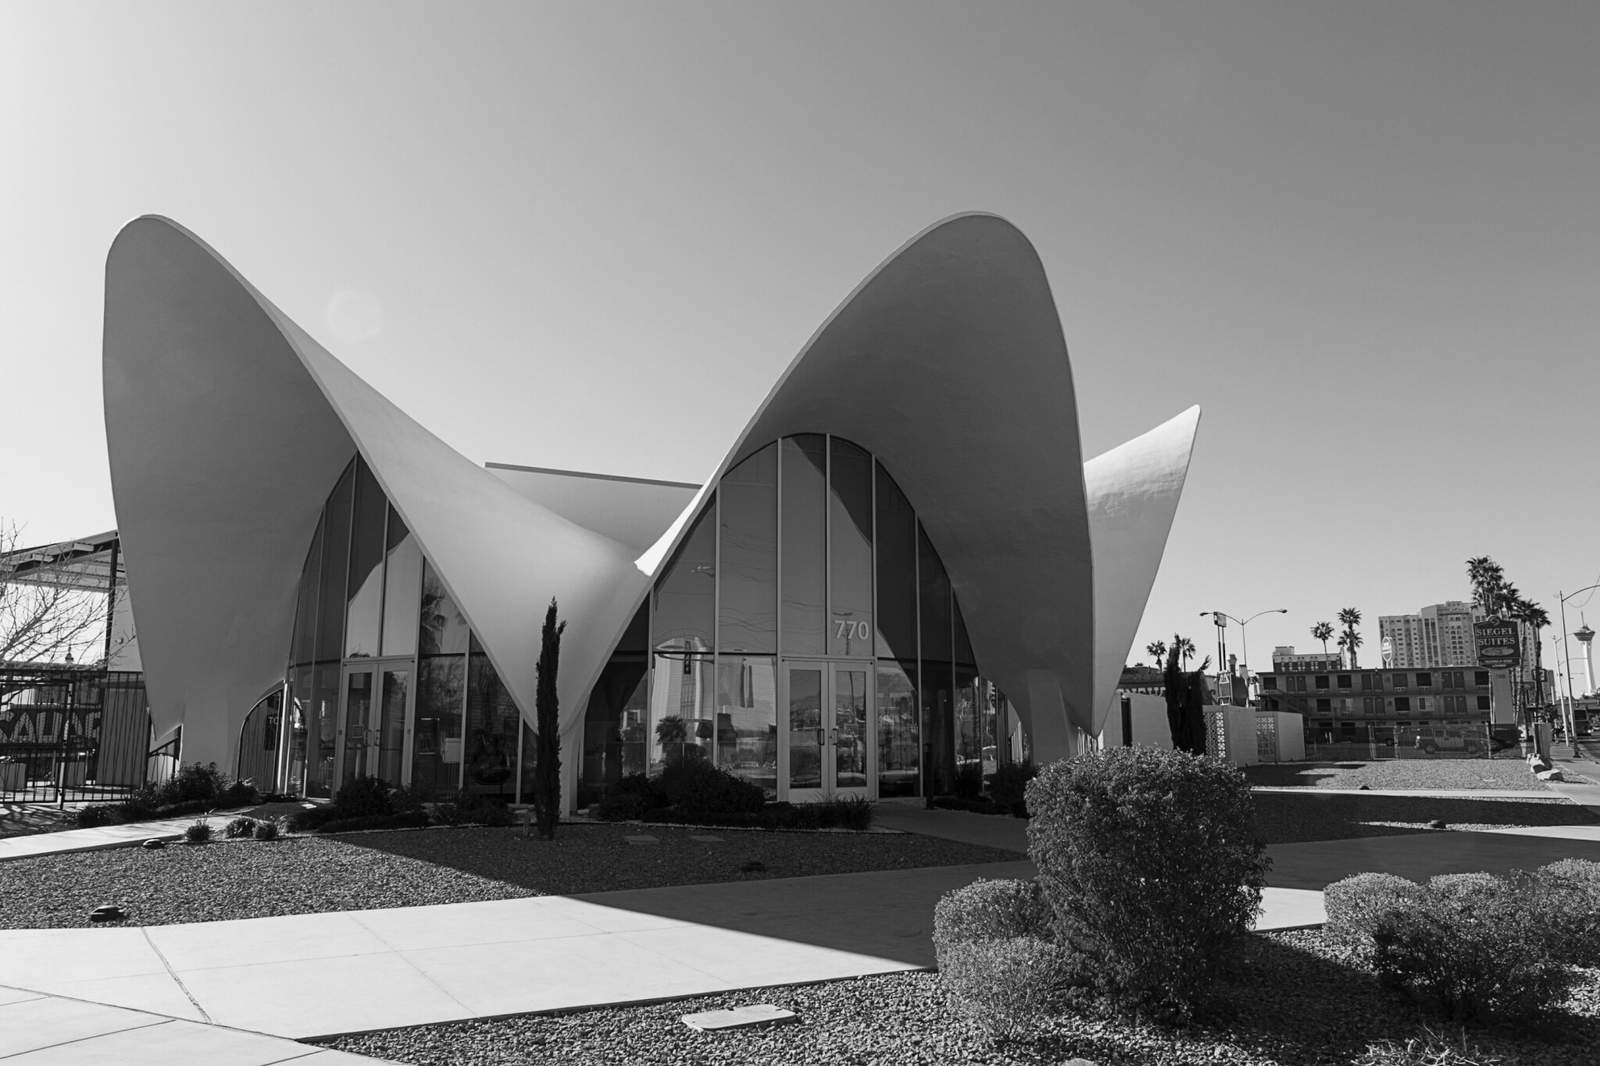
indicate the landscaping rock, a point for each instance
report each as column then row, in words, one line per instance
column 1549, row 775
column 107, row 912
column 1438, row 823
column 154, row 843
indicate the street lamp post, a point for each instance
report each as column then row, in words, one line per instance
column 1222, row 618
column 1566, row 651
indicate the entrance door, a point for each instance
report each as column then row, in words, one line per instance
column 376, row 717
column 827, row 732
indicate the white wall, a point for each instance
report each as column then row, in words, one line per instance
column 1149, row 720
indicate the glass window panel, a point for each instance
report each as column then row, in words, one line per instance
column 614, row 726
column 402, row 579
column 805, row 727
column 335, row 565
column 850, row 550
column 899, row 747
column 803, row 578
column 969, row 725
column 492, row 726
column 322, row 725
column 302, row 711
column 963, row 641
column 436, row 742
column 897, row 572
column 938, row 726
column 686, row 593
column 849, row 736
column 258, row 742
column 935, row 600
column 747, row 720
column 748, row 564
column 442, row 630
column 391, row 725
column 366, row 567
column 358, row 744
column 303, row 645
column 682, row 709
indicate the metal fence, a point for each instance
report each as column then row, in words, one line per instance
column 1373, row 743
column 73, row 733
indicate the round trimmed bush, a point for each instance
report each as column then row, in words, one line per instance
column 1150, row 861
column 363, row 797
column 1568, row 893
column 198, row 833
column 990, row 910
column 1356, row 904
column 1006, row 986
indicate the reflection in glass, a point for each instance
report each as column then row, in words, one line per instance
column 897, row 572
column 358, row 738
column 366, row 567
column 748, row 564
column 614, row 725
column 686, row 594
column 492, row 725
column 934, row 598
column 963, row 642
column 804, row 576
column 682, row 709
column 805, row 728
column 849, row 728
column 436, row 740
column 302, row 646
column 969, row 739
column 850, row 550
column 402, row 577
column 302, row 707
column 898, row 748
column 335, row 564
column 323, row 723
column 391, row 735
column 938, row 726
column 258, row 742
column 747, row 720
column 442, row 630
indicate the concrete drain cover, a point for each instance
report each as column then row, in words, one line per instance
column 712, row 1021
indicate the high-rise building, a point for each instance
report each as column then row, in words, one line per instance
column 1437, row 635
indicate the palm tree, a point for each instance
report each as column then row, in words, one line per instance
column 1157, row 650
column 1184, row 647
column 1530, row 614
column 1487, row 578
column 1350, row 617
column 1322, row 631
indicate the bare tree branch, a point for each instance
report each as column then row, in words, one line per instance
column 41, row 619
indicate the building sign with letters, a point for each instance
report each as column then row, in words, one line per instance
column 1498, row 646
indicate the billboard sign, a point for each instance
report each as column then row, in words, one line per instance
column 1498, row 646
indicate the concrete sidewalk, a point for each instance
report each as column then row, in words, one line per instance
column 37, row 1029
column 105, row 836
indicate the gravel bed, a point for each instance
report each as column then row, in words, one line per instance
column 1506, row 773
column 358, row 871
column 1292, row 999
column 1321, row 814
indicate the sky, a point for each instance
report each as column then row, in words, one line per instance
column 1364, row 237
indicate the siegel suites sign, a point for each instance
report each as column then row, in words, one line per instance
column 1497, row 643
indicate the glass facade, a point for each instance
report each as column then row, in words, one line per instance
column 804, row 637
column 384, row 677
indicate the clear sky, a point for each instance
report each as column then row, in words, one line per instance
column 1365, row 237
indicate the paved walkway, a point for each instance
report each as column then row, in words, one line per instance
column 43, row 1030
column 106, row 836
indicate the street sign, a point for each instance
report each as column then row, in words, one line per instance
column 1498, row 646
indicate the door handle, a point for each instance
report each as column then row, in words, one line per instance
column 822, row 737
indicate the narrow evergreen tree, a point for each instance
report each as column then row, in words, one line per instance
column 547, row 713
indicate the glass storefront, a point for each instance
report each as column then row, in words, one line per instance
column 804, row 637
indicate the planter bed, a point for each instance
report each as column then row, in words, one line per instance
column 1292, row 1000
column 404, row 868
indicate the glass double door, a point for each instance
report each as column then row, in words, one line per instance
column 375, row 721
column 827, row 731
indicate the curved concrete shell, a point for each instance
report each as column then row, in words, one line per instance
column 228, row 425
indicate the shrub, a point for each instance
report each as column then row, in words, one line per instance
column 1473, row 944
column 403, row 820
column 310, row 819
column 98, row 814
column 1151, row 865
column 240, row 827
column 192, row 782
column 639, row 785
column 198, row 833
column 847, row 812
column 621, row 807
column 363, row 797
column 969, row 781
column 267, row 830
column 410, row 797
column 697, row 785
column 1356, row 903
column 471, row 808
column 1008, row 787
column 990, row 910
column 238, row 794
column 1006, row 986
column 1568, row 892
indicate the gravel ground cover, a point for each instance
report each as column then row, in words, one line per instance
column 1325, row 814
column 302, row 875
column 1292, row 999
column 1400, row 773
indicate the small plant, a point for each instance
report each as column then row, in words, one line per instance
column 1006, row 986
column 97, row 814
column 238, row 794
column 191, row 782
column 267, row 829
column 1151, row 864
column 198, row 833
column 1008, row 787
column 240, row 828
column 1356, row 904
column 846, row 812
column 363, row 797
column 990, row 910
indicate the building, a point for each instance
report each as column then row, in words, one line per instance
column 1381, row 705
column 871, row 587
column 1286, row 660
column 1437, row 635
